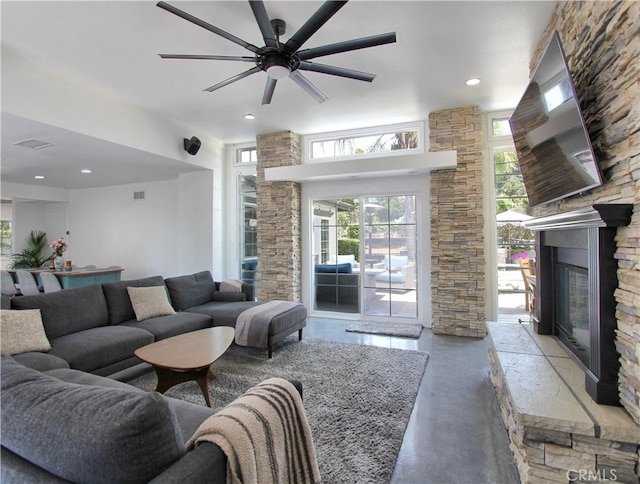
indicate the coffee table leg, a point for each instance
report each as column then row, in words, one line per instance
column 203, row 382
column 169, row 378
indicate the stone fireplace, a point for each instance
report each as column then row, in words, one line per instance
column 576, row 280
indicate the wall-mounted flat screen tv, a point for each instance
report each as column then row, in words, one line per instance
column 552, row 143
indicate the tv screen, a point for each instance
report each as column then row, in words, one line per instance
column 552, row 143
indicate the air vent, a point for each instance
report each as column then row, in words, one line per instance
column 138, row 195
column 34, row 144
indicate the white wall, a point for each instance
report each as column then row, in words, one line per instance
column 35, row 93
column 27, row 216
column 108, row 228
column 195, row 224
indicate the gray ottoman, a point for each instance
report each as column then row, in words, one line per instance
column 286, row 323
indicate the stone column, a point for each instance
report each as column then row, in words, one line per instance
column 279, row 239
column 457, row 241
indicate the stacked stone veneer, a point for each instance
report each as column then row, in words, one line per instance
column 279, row 213
column 602, row 44
column 562, row 448
column 457, row 241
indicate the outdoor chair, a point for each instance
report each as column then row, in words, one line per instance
column 527, row 268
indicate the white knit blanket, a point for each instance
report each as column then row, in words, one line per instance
column 265, row 436
column 252, row 325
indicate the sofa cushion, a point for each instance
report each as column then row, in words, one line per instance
column 150, row 302
column 68, row 311
column 166, row 326
column 333, row 268
column 223, row 313
column 41, row 361
column 95, row 348
column 85, row 433
column 192, row 290
column 117, row 297
column 22, row 331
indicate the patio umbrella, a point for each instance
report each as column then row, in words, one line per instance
column 511, row 217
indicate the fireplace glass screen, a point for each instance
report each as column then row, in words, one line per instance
column 572, row 309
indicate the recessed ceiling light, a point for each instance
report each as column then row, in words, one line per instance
column 249, row 116
column 85, row 170
column 39, row 177
column 474, row 81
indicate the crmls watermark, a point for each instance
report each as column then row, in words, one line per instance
column 588, row 475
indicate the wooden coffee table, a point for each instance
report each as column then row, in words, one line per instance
column 187, row 357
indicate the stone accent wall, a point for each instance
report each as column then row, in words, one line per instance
column 457, row 240
column 555, row 455
column 279, row 238
column 602, row 44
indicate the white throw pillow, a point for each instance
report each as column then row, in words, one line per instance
column 150, row 302
column 22, row 331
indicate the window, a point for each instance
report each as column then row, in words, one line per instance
column 6, row 235
column 324, row 240
column 381, row 141
column 246, row 155
column 500, row 127
column 248, row 229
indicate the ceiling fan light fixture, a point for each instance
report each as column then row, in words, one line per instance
column 277, row 72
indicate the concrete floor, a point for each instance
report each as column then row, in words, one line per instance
column 455, row 434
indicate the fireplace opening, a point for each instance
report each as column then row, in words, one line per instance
column 572, row 309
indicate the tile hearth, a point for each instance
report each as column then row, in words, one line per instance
column 556, row 430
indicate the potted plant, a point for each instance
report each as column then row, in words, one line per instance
column 32, row 256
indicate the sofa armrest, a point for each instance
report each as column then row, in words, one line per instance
column 205, row 463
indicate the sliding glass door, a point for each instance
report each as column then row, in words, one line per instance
column 365, row 256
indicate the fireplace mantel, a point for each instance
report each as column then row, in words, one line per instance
column 591, row 230
column 603, row 215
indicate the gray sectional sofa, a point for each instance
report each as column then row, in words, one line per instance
column 71, row 426
column 94, row 328
column 68, row 416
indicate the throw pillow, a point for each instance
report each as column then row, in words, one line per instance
column 231, row 285
column 149, row 302
column 22, row 331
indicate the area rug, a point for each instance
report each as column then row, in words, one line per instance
column 407, row 330
column 358, row 398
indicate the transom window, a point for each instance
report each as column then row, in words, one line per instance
column 246, row 155
column 380, row 141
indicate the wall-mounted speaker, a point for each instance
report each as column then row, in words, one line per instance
column 192, row 145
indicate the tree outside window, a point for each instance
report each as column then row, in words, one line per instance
column 6, row 235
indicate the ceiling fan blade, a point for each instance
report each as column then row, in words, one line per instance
column 235, row 78
column 337, row 71
column 260, row 13
column 311, row 26
column 268, row 90
column 208, row 26
column 306, row 84
column 347, row 45
column 208, row 57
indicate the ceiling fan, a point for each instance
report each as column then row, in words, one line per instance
column 280, row 60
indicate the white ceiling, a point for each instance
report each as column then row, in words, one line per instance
column 111, row 48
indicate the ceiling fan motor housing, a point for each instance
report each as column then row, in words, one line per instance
column 273, row 61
